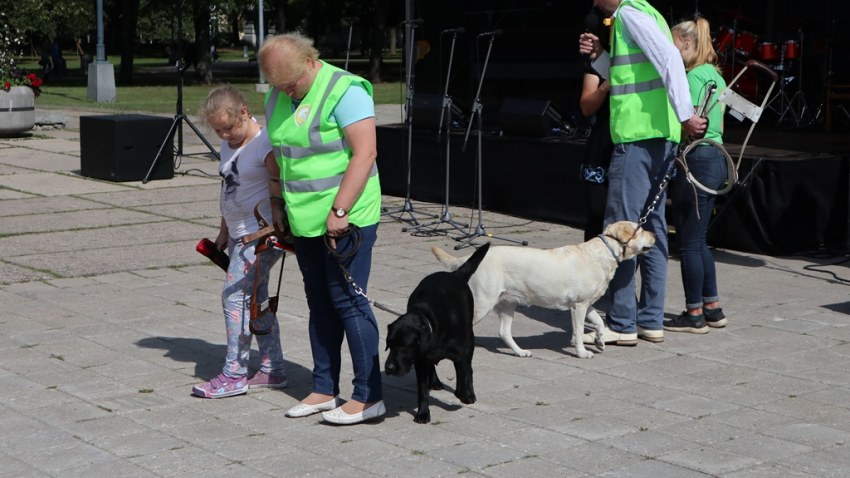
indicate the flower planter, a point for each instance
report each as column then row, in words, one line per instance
column 17, row 110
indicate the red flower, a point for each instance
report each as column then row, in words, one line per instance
column 7, row 85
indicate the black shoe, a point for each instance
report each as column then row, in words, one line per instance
column 694, row 324
column 715, row 317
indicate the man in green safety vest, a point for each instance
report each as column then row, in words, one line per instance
column 650, row 105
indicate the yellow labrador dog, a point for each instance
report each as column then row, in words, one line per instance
column 565, row 278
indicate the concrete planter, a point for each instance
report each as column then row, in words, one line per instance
column 17, row 110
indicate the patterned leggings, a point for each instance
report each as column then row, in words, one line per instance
column 236, row 301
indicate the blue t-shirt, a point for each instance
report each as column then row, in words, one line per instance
column 355, row 105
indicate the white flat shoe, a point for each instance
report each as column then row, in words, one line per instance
column 303, row 410
column 339, row 417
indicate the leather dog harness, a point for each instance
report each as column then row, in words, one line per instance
column 268, row 238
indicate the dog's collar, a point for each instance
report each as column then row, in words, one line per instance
column 611, row 249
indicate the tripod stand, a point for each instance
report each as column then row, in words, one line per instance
column 480, row 231
column 796, row 105
column 407, row 208
column 446, row 112
column 179, row 117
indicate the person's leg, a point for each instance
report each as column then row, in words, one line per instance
column 235, row 300
column 271, row 353
column 628, row 187
column 687, row 232
column 711, row 171
column 325, row 330
column 233, row 379
column 653, row 264
column 361, row 327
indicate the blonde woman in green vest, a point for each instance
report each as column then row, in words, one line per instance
column 321, row 123
column 692, row 206
column 650, row 105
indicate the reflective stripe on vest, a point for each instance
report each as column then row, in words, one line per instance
column 316, row 185
column 637, row 87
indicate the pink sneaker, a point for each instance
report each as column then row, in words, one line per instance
column 221, row 386
column 263, row 380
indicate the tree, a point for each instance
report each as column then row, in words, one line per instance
column 129, row 19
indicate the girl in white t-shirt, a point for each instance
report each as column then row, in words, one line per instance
column 250, row 175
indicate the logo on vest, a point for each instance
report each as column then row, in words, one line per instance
column 301, row 114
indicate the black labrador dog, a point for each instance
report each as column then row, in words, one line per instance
column 436, row 326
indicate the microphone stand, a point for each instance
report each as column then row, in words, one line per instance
column 179, row 117
column 348, row 46
column 480, row 231
column 407, row 208
column 446, row 112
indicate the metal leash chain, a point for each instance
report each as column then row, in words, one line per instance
column 661, row 187
column 354, row 231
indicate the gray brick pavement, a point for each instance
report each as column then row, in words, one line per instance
column 110, row 316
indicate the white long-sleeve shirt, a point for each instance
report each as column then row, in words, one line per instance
column 642, row 30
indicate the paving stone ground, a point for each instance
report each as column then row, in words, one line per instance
column 109, row 317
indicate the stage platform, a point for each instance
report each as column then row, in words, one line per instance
column 793, row 197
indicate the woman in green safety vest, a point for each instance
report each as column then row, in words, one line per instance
column 321, row 123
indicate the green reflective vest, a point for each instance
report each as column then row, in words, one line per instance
column 640, row 108
column 313, row 154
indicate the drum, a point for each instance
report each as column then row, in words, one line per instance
column 745, row 44
column 768, row 52
column 746, row 86
column 723, row 39
column 792, row 50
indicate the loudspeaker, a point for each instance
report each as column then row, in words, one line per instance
column 123, row 147
column 427, row 109
column 529, row 118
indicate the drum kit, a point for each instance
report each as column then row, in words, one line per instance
column 736, row 47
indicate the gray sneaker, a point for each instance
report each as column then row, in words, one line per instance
column 685, row 322
column 715, row 317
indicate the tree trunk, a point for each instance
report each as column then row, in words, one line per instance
column 376, row 54
column 202, row 59
column 129, row 19
column 280, row 16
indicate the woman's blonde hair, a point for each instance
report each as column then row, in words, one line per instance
column 222, row 99
column 282, row 58
column 698, row 32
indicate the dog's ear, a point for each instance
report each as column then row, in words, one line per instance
column 625, row 231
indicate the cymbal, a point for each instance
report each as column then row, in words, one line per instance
column 736, row 15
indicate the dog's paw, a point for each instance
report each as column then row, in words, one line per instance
column 600, row 343
column 436, row 385
column 585, row 354
column 424, row 417
column 522, row 353
column 467, row 399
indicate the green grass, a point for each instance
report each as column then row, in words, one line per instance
column 163, row 99
column 155, row 85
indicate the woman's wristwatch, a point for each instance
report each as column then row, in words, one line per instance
column 339, row 212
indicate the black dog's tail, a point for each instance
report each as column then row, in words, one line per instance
column 471, row 265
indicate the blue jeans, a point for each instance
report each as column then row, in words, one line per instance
column 336, row 311
column 699, row 278
column 633, row 177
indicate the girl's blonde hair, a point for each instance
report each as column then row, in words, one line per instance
column 282, row 58
column 698, row 32
column 222, row 99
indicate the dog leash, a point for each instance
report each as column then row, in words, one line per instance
column 353, row 231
